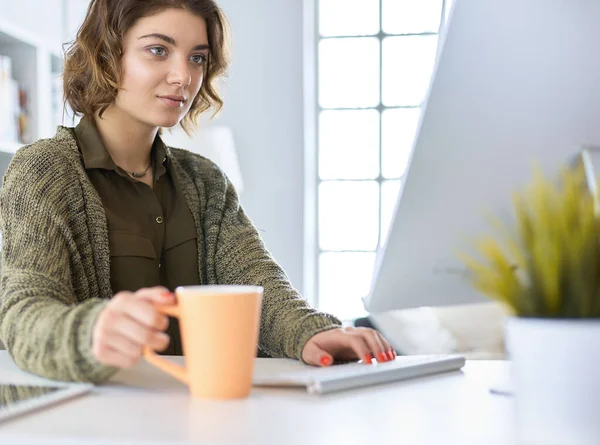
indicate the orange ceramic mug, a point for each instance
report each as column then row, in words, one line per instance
column 219, row 334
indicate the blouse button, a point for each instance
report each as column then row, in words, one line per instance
column 159, row 219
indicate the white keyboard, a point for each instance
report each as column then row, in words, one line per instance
column 354, row 375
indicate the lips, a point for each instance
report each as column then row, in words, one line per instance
column 173, row 97
column 172, row 101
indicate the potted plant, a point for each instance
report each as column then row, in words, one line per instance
column 546, row 269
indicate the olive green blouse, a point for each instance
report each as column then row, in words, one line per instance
column 151, row 232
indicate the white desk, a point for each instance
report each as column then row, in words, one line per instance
column 142, row 405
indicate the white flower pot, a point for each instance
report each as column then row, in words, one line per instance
column 556, row 378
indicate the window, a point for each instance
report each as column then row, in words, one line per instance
column 374, row 61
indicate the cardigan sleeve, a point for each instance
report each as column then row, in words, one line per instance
column 287, row 320
column 44, row 327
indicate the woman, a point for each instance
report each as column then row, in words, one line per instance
column 101, row 221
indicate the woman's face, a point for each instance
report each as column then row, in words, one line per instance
column 163, row 63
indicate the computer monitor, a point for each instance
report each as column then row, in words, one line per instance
column 516, row 82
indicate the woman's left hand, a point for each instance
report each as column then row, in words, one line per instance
column 347, row 344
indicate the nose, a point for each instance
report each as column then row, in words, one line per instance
column 179, row 73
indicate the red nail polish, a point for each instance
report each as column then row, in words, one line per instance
column 167, row 295
column 390, row 355
column 325, row 360
column 368, row 359
column 382, row 357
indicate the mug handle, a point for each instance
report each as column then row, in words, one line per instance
column 177, row 371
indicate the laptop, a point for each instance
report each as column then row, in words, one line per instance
column 17, row 400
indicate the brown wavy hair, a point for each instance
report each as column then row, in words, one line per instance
column 92, row 70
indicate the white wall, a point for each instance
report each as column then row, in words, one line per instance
column 264, row 106
column 42, row 18
column 74, row 14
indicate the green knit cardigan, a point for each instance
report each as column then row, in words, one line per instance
column 55, row 275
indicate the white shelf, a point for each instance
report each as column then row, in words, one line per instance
column 36, row 61
column 10, row 147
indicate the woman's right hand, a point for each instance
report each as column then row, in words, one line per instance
column 128, row 323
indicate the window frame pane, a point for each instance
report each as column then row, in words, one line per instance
column 349, row 152
column 346, row 287
column 372, row 97
column 415, row 44
column 388, row 27
column 364, row 17
column 380, row 107
column 328, row 188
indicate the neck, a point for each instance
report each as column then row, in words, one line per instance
column 128, row 141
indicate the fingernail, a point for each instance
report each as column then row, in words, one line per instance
column 382, row 358
column 167, row 295
column 325, row 360
column 390, row 355
column 163, row 338
column 368, row 359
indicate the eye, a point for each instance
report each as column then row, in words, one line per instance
column 158, row 51
column 198, row 59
